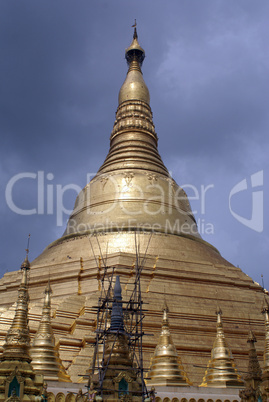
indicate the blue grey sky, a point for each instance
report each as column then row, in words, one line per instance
column 206, row 67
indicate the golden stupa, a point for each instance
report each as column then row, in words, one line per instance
column 17, row 377
column 165, row 367
column 44, row 353
column 221, row 370
column 134, row 193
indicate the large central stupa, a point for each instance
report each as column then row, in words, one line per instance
column 133, row 209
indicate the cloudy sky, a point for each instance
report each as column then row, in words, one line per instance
column 62, row 65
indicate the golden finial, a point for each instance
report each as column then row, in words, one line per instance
column 26, row 265
column 135, row 32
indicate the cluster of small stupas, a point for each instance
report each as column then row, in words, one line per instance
column 133, row 192
column 26, row 371
column 24, row 367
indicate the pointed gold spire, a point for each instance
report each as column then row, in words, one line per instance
column 45, row 356
column 133, row 185
column 134, row 87
column 166, row 368
column 138, row 147
column 221, row 370
column 15, row 361
column 17, row 342
column 265, row 371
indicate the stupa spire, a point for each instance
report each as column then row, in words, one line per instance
column 120, row 375
column 133, row 186
column 133, row 141
column 166, row 368
column 17, row 342
column 117, row 324
column 221, row 370
column 15, row 361
column 254, row 370
column 44, row 353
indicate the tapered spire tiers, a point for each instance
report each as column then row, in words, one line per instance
column 254, row 370
column 133, row 188
column 18, row 338
column 166, row 368
column 134, row 87
column 133, row 141
column 44, row 352
column 117, row 313
column 16, row 373
column 121, row 374
column 221, row 370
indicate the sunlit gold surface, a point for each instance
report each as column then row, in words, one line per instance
column 133, row 188
column 45, row 356
column 166, row 367
column 221, row 369
column 15, row 359
column 134, row 87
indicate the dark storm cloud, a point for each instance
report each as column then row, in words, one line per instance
column 62, row 64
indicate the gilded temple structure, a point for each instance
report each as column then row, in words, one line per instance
column 134, row 210
column 44, row 353
column 221, row 369
column 165, row 367
column 17, row 377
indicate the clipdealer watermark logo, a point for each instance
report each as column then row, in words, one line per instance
column 154, row 199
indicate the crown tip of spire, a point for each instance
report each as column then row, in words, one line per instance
column 135, row 51
column 135, row 36
column 26, row 263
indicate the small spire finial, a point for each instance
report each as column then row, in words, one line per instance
column 135, row 32
column 28, row 245
column 26, row 263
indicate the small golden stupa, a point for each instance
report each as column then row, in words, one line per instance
column 17, row 377
column 166, row 367
column 221, row 370
column 44, row 353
